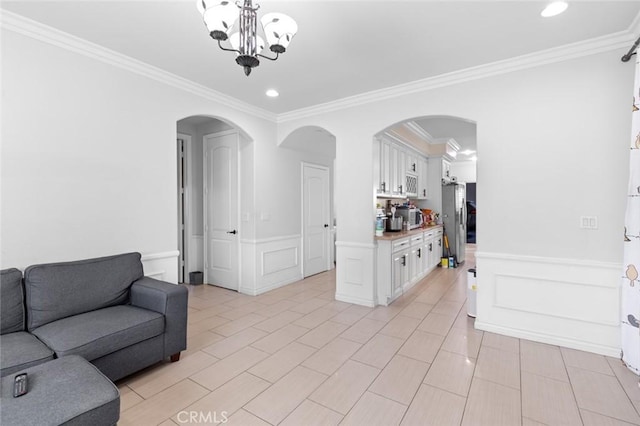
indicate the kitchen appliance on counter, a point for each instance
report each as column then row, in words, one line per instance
column 394, row 222
column 454, row 218
column 410, row 214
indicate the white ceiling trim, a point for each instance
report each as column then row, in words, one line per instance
column 419, row 131
column 38, row 31
column 634, row 28
column 622, row 39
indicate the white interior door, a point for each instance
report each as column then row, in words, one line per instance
column 221, row 209
column 315, row 218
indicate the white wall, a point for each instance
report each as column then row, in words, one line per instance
column 194, row 220
column 274, row 256
column 88, row 169
column 88, row 164
column 465, row 171
column 552, row 146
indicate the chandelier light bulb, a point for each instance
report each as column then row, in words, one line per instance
column 221, row 17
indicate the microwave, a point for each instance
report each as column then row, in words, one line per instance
column 411, row 215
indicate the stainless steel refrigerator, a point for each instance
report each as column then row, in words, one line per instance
column 454, row 217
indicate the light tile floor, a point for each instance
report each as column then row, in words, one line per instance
column 295, row 356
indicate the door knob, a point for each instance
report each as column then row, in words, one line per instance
column 232, row 232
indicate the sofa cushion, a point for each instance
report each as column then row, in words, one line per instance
column 60, row 290
column 101, row 332
column 11, row 301
column 21, row 350
column 67, row 391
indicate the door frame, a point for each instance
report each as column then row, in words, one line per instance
column 328, row 233
column 205, row 195
column 184, row 211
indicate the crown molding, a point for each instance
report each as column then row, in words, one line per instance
column 634, row 28
column 567, row 52
column 419, row 131
column 38, row 31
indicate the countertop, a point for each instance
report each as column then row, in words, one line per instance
column 390, row 236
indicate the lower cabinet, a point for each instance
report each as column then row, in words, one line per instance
column 404, row 261
column 401, row 274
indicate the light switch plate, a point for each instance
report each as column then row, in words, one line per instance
column 589, row 222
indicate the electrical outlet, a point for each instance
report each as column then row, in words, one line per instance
column 588, row 222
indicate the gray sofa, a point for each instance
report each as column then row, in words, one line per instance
column 103, row 309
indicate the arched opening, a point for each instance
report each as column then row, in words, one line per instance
column 197, row 208
column 317, row 206
column 424, row 175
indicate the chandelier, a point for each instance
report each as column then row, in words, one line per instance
column 221, row 17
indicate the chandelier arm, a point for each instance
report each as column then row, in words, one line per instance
column 266, row 57
column 227, row 49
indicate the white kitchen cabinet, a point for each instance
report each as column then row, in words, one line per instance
column 428, row 250
column 446, row 170
column 412, row 161
column 401, row 273
column 403, row 261
column 393, row 268
column 416, row 262
column 423, row 179
column 399, row 162
column 437, row 247
column 392, row 163
column 385, row 170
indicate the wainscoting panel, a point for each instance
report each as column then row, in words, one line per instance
column 161, row 266
column 270, row 263
column 355, row 281
column 275, row 261
column 566, row 302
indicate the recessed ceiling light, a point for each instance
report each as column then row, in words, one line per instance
column 272, row 93
column 555, row 8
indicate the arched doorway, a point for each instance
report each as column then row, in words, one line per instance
column 205, row 222
column 316, row 206
column 425, row 164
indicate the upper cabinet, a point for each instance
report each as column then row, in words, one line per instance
column 446, row 170
column 398, row 171
column 423, row 178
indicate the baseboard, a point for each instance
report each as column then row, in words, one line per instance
column 549, row 339
column 256, row 292
column 355, row 300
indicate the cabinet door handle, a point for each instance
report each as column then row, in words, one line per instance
column 430, row 247
column 404, row 261
column 400, row 188
column 439, row 243
column 384, row 186
column 419, row 253
column 232, row 232
column 424, row 192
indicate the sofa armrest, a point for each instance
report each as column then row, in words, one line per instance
column 171, row 301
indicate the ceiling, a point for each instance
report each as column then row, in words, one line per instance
column 343, row 48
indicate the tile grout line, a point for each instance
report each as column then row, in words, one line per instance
column 623, row 388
